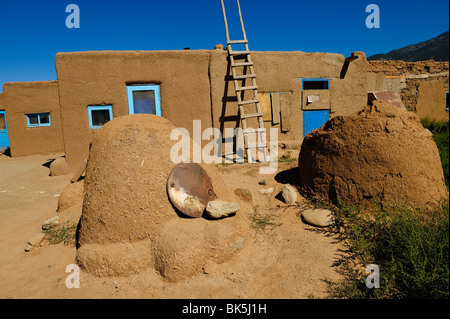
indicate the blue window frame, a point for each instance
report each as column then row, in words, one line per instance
column 4, row 141
column 99, row 115
column 38, row 119
column 144, row 99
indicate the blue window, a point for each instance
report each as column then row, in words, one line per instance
column 144, row 99
column 99, row 115
column 38, row 119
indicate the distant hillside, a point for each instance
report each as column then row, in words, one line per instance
column 433, row 49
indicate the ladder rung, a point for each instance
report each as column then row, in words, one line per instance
column 248, row 102
column 256, row 146
column 247, row 88
column 245, row 76
column 242, row 64
column 246, row 116
column 257, row 130
column 237, row 41
column 239, row 52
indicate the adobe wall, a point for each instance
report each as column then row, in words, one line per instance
column 430, row 94
column 21, row 98
column 96, row 78
column 398, row 67
column 282, row 72
column 349, row 93
column 421, row 85
column 2, row 107
column 194, row 87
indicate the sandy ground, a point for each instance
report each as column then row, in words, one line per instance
column 290, row 260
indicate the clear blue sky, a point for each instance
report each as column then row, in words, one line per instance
column 32, row 31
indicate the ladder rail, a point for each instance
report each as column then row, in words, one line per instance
column 240, row 89
column 225, row 20
column 242, row 23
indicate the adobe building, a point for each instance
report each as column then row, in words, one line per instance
column 174, row 83
column 298, row 91
column 33, row 117
column 422, row 86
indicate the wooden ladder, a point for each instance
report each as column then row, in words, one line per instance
column 246, row 65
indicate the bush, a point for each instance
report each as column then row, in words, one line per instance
column 63, row 233
column 440, row 130
column 410, row 246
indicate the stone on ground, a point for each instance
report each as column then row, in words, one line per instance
column 266, row 191
column 318, row 217
column 220, row 209
column 34, row 241
column 50, row 223
column 289, row 194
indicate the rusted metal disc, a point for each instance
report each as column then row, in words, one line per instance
column 190, row 189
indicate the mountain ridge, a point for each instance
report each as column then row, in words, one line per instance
column 436, row 49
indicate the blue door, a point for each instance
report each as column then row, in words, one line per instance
column 313, row 119
column 4, row 141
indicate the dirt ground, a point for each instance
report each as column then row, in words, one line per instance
column 283, row 261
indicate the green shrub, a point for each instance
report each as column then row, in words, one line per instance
column 62, row 233
column 440, row 130
column 262, row 223
column 410, row 246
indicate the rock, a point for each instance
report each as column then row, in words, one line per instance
column 263, row 182
column 219, row 209
column 59, row 167
column 34, row 241
column 244, row 194
column 266, row 191
column 318, row 217
column 289, row 194
column 237, row 245
column 50, row 223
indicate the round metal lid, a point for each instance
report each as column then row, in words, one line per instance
column 190, row 189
